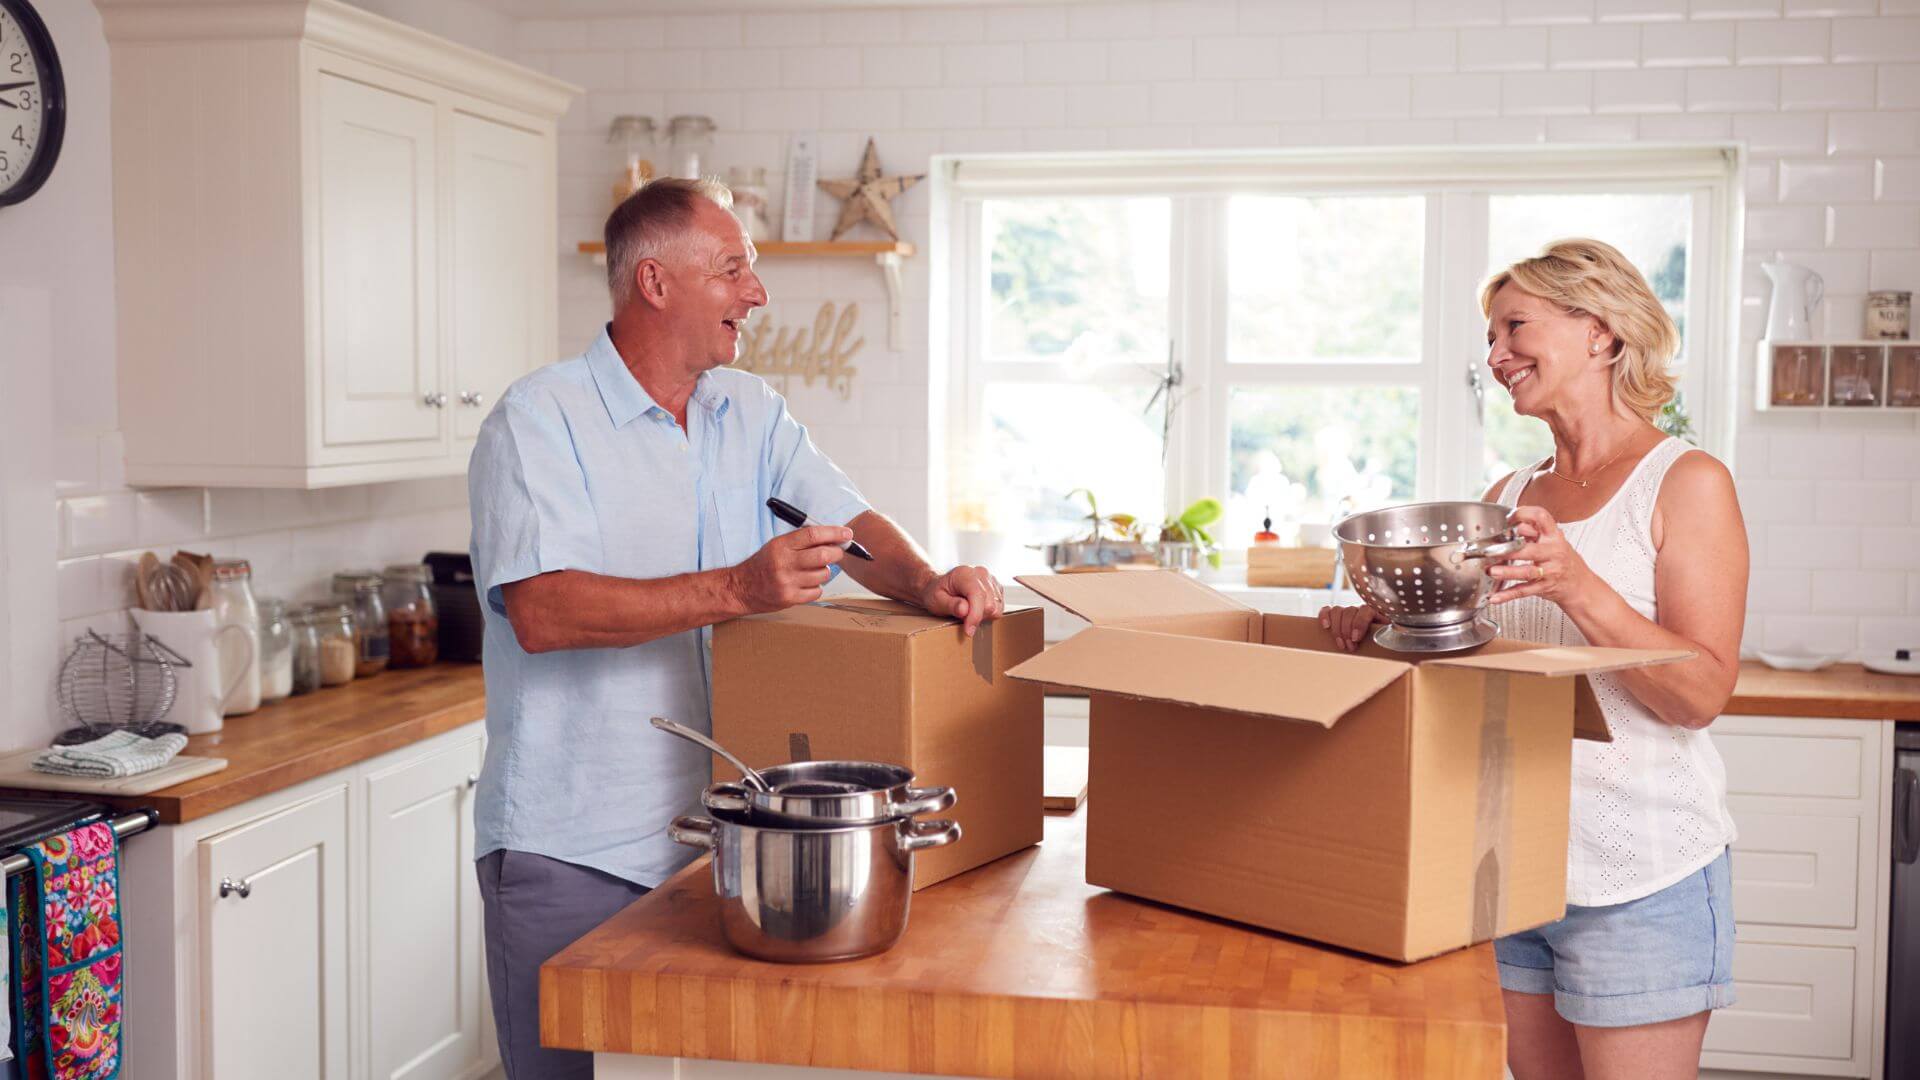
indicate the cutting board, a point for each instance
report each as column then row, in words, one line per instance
column 16, row 771
column 1063, row 778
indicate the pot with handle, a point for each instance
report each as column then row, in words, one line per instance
column 813, row 794
column 805, row 896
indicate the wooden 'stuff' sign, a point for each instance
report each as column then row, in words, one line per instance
column 821, row 352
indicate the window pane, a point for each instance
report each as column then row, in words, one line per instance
column 1082, row 280
column 1653, row 230
column 1317, row 454
column 1042, row 440
column 1316, row 279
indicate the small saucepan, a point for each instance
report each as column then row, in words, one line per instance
column 817, row 794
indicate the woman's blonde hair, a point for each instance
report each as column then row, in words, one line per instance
column 1588, row 277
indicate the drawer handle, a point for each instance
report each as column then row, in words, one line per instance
column 471, row 397
column 228, row 886
column 435, row 400
column 473, row 780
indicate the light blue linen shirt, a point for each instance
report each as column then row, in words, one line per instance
column 576, row 468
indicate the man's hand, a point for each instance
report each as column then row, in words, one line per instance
column 967, row 593
column 790, row 569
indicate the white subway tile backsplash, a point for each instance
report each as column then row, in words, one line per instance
column 1370, row 15
column 856, row 110
column 893, row 65
column 1876, row 40
column 705, row 31
column 1191, row 102
column 1107, row 106
column 1503, row 131
column 165, row 516
column 741, row 69
column 1813, row 547
column 944, row 25
column 1872, row 226
column 96, row 523
column 1827, row 87
column 1883, row 548
column 834, row 66
column 1781, row 42
column 1881, row 636
column 1605, row 46
column 1882, row 592
column 1554, row 93
column 1780, row 592
column 1899, row 86
column 1815, row 455
column 1592, row 130
column 1782, row 133
column 77, row 589
column 1770, row 228
column 1457, row 13
column 1873, row 133
column 1819, row 8
column 1408, row 132
column 1734, row 9
column 1284, row 18
column 1733, row 90
column 1067, row 62
column 1153, row 60
column 1248, row 57
column 1894, row 270
column 1103, row 21
column 1236, row 136
column 1369, row 97
column 1410, row 51
column 870, row 27
column 1456, row 95
column 1810, row 633
column 1549, row 11
column 1864, row 502
column 542, row 34
column 1643, row 91
column 1323, row 54
column 634, row 32
column 791, row 28
column 1505, row 49
column 1194, row 18
column 1640, row 10
column 1000, row 64
column 1026, row 106
column 1276, row 101
column 1815, row 181
column 1687, row 45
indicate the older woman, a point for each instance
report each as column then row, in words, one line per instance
column 1634, row 540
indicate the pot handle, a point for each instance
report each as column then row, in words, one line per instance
column 1493, row 547
column 929, row 800
column 929, row 834
column 692, row 831
column 729, row 796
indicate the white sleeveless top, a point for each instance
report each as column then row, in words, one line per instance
column 1650, row 807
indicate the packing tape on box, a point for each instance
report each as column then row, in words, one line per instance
column 983, row 652
column 1493, row 809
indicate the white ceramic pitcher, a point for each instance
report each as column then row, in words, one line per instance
column 1796, row 292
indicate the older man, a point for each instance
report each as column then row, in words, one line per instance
column 619, row 511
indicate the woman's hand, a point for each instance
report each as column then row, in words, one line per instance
column 1554, row 569
column 1349, row 625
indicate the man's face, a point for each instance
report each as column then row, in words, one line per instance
column 712, row 286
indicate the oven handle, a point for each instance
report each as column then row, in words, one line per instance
column 1906, row 816
column 137, row 822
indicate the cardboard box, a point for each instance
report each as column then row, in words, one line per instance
column 862, row 679
column 1244, row 767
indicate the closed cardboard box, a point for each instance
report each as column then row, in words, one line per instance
column 863, row 679
column 1244, row 767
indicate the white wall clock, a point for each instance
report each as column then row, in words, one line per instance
column 33, row 102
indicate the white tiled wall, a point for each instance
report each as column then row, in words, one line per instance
column 1826, row 93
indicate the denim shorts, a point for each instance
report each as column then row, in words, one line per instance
column 1660, row 957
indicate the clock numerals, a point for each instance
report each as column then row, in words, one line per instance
column 20, row 134
column 17, row 63
column 4, row 167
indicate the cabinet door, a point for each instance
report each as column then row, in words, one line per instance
column 497, row 266
column 424, row 958
column 274, row 981
column 378, row 271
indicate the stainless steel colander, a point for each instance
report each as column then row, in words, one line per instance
column 1423, row 565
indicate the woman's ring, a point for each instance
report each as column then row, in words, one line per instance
column 1539, row 571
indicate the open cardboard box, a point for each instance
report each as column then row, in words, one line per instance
column 866, row 679
column 1244, row 767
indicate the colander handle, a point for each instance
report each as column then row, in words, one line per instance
column 1493, row 547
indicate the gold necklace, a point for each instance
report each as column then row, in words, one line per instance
column 1590, row 476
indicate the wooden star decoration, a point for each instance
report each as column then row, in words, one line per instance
column 868, row 196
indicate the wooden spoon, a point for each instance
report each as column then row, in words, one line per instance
column 142, row 574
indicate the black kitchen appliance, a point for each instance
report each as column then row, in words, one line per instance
column 1903, row 930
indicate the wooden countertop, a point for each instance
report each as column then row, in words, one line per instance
column 303, row 737
column 1021, row 969
column 1848, row 691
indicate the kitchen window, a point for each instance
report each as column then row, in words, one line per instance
column 1293, row 334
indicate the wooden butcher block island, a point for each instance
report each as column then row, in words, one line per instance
column 1021, row 969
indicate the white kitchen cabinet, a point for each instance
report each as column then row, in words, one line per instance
column 347, row 943
column 334, row 241
column 273, row 927
column 423, row 957
column 1811, row 799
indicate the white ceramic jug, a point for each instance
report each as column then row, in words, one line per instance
column 1796, row 292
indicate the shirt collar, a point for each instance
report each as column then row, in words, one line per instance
column 623, row 395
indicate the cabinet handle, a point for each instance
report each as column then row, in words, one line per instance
column 229, row 886
column 473, row 779
column 472, row 397
column 436, row 401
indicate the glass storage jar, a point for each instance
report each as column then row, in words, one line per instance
column 306, row 651
column 339, row 646
column 631, row 149
column 370, row 623
column 689, row 137
column 413, row 626
column 276, row 650
column 231, row 598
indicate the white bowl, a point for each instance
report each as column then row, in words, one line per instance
column 1793, row 660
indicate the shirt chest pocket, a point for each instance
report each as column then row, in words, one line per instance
column 740, row 514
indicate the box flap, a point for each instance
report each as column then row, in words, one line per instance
column 1122, row 596
column 1564, row 660
column 866, row 614
column 1232, row 676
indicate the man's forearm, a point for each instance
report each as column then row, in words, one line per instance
column 574, row 609
column 899, row 569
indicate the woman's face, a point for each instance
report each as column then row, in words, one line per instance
column 1543, row 354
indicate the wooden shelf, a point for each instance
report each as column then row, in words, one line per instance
column 815, row 247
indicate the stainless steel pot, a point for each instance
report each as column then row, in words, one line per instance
column 804, row 896
column 810, row 794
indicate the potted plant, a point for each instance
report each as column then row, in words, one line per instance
column 1184, row 538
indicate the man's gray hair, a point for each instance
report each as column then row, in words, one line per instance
column 648, row 222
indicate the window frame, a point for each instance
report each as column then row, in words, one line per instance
column 1456, row 184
